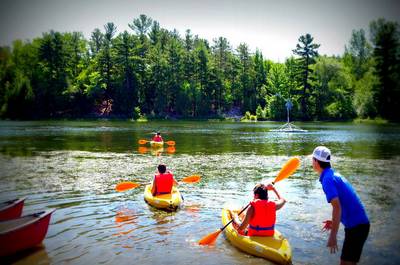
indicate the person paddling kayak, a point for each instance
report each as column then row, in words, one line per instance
column 163, row 181
column 346, row 208
column 157, row 138
column 261, row 216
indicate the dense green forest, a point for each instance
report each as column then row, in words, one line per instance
column 157, row 73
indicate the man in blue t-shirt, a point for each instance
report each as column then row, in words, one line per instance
column 346, row 208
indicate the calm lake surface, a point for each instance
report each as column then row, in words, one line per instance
column 73, row 166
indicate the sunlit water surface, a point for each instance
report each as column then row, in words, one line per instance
column 74, row 167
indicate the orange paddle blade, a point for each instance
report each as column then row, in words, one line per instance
column 170, row 142
column 127, row 185
column 142, row 149
column 288, row 169
column 171, row 149
column 210, row 238
column 142, row 141
column 191, row 179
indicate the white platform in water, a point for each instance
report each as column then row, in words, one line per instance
column 288, row 128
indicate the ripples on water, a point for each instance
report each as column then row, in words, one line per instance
column 95, row 224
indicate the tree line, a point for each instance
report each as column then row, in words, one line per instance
column 157, row 73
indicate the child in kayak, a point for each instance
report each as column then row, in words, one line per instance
column 158, row 138
column 163, row 181
column 261, row 216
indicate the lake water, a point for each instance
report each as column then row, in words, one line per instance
column 73, row 166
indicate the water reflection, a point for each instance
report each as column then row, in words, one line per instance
column 157, row 151
column 74, row 167
column 36, row 255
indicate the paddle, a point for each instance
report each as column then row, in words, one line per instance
column 288, row 169
column 128, row 185
column 143, row 141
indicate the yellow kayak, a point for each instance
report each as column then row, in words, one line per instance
column 276, row 248
column 156, row 144
column 168, row 202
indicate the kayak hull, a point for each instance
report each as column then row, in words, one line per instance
column 167, row 202
column 11, row 209
column 23, row 232
column 276, row 248
column 156, row 144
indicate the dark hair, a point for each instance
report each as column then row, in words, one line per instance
column 322, row 164
column 162, row 168
column 158, row 133
column 261, row 191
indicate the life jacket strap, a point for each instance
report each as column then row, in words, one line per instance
column 258, row 228
column 161, row 193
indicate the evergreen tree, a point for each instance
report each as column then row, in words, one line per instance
column 247, row 78
column 385, row 38
column 307, row 51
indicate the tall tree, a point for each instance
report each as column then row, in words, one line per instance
column 127, row 95
column 333, row 89
column 385, row 37
column 222, row 51
column 307, row 51
column 260, row 79
column 247, row 78
column 96, row 41
column 202, row 72
column 53, row 57
column 141, row 26
column 359, row 52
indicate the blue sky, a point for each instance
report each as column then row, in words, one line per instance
column 272, row 26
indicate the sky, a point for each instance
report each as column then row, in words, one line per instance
column 272, row 26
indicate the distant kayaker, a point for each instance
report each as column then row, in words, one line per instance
column 158, row 138
column 163, row 181
column 261, row 216
column 346, row 208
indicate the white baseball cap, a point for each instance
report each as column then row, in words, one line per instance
column 322, row 154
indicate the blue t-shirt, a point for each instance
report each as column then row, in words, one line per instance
column 334, row 185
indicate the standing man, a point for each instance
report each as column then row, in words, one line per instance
column 346, row 208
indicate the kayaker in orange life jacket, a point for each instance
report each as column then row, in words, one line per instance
column 158, row 138
column 163, row 181
column 261, row 215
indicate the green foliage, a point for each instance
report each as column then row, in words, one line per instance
column 261, row 113
column 364, row 104
column 136, row 114
column 276, row 108
column 333, row 89
column 248, row 117
column 385, row 36
column 159, row 74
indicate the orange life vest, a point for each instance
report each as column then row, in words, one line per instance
column 164, row 183
column 263, row 220
column 157, row 138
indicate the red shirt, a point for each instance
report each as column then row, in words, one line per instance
column 157, row 138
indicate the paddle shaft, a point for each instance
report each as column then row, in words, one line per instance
column 222, row 229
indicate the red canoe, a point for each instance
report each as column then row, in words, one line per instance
column 11, row 209
column 24, row 232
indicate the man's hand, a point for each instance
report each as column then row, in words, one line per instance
column 332, row 243
column 270, row 186
column 327, row 226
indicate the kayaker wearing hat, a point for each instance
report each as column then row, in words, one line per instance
column 261, row 216
column 158, row 138
column 346, row 208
